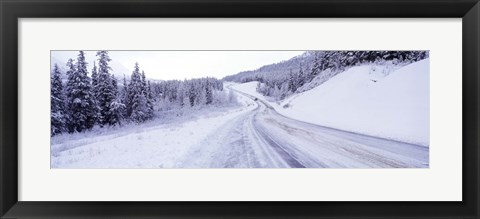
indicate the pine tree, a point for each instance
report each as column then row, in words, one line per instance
column 69, row 123
column 301, row 78
column 137, row 98
column 116, row 106
column 80, row 104
column 284, row 91
column 144, row 82
column 292, row 81
column 94, row 80
column 316, row 68
column 208, row 92
column 181, row 94
column 115, row 86
column 200, row 94
column 124, row 97
column 150, row 100
column 146, row 91
column 191, row 93
column 57, row 108
column 106, row 90
column 95, row 92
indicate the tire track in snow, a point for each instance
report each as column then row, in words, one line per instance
column 290, row 159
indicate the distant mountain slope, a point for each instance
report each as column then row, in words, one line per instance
column 117, row 68
column 61, row 65
column 277, row 69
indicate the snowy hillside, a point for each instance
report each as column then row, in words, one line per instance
column 393, row 106
column 120, row 70
column 276, row 69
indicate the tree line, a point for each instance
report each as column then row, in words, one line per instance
column 189, row 93
column 86, row 100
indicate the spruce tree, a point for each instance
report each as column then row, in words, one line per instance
column 181, row 94
column 80, row 104
column 95, row 92
column 301, row 78
column 69, row 123
column 124, row 97
column 94, row 80
column 106, row 90
column 316, row 68
column 150, row 101
column 116, row 106
column 191, row 93
column 144, row 82
column 57, row 108
column 115, row 86
column 208, row 92
column 292, row 81
column 137, row 99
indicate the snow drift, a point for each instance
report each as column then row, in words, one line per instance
column 393, row 106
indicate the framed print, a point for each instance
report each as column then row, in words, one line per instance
column 227, row 109
column 227, row 123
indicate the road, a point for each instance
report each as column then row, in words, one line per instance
column 264, row 138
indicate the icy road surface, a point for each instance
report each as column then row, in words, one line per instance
column 264, row 138
column 251, row 136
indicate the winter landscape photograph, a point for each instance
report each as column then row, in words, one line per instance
column 239, row 109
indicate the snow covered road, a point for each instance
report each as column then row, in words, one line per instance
column 264, row 138
column 251, row 136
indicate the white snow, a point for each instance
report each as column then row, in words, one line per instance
column 395, row 106
column 362, row 100
column 160, row 146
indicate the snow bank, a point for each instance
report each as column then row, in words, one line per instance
column 393, row 106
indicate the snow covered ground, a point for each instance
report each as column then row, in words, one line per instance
column 375, row 124
column 365, row 100
column 157, row 146
column 262, row 138
column 251, row 136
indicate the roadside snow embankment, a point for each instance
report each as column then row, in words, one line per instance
column 395, row 106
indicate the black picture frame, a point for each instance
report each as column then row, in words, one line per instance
column 12, row 10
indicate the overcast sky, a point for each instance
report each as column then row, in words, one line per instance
column 166, row 65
